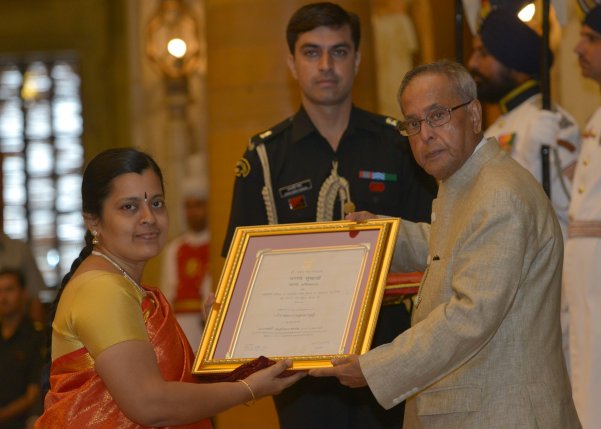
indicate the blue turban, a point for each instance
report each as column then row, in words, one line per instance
column 512, row 42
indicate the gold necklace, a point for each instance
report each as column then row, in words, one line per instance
column 125, row 274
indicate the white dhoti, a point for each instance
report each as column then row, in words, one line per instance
column 582, row 277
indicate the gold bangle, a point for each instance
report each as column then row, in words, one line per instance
column 252, row 401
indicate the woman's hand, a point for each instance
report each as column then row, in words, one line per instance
column 266, row 381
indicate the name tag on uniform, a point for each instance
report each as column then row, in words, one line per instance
column 295, row 188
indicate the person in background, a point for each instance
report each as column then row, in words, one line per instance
column 506, row 66
column 186, row 280
column 22, row 350
column 484, row 349
column 328, row 159
column 14, row 254
column 119, row 358
column 582, row 267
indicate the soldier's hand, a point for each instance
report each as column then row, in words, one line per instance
column 360, row 216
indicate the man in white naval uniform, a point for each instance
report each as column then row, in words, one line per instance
column 505, row 64
column 186, row 281
column 582, row 264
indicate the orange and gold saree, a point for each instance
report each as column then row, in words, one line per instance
column 79, row 399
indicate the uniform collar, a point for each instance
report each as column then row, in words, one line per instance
column 302, row 126
column 518, row 95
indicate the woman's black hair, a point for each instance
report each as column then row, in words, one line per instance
column 96, row 186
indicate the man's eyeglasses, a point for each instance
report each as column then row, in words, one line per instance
column 435, row 118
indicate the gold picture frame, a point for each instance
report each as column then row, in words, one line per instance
column 306, row 291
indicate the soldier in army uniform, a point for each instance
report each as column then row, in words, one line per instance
column 328, row 159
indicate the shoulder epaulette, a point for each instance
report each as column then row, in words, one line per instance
column 269, row 134
column 388, row 121
column 391, row 121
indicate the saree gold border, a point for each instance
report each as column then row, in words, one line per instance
column 206, row 363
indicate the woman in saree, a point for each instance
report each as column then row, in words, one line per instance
column 119, row 358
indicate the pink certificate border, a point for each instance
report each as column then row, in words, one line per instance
column 307, row 240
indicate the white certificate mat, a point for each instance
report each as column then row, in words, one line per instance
column 310, row 292
column 299, row 302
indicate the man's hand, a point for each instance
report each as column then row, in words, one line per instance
column 346, row 370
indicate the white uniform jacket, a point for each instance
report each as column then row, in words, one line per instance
column 582, row 277
column 513, row 131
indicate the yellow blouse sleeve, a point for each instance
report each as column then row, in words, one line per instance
column 103, row 310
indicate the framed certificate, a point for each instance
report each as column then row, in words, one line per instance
column 307, row 291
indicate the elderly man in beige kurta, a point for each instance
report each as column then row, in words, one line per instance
column 484, row 349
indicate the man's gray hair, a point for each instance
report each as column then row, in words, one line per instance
column 464, row 84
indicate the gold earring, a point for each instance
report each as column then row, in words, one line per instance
column 95, row 237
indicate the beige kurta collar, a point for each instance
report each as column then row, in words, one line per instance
column 485, row 151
